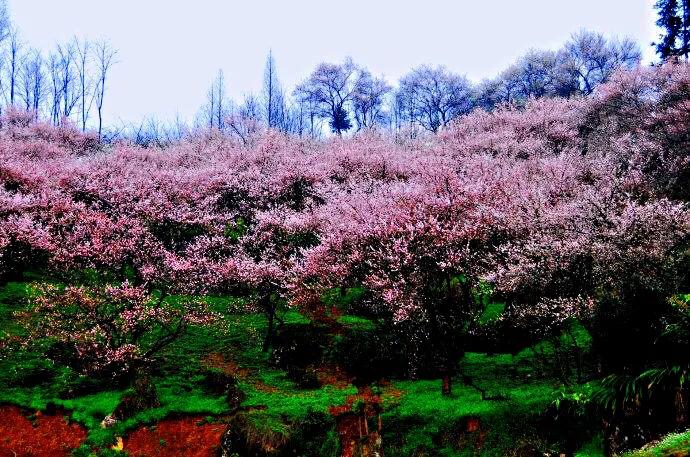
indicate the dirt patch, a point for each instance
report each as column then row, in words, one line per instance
column 359, row 423
column 188, row 437
column 219, row 362
column 332, row 376
column 43, row 436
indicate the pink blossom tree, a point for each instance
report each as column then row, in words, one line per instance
column 114, row 330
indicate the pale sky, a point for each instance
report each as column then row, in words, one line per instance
column 170, row 50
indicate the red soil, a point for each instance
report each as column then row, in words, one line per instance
column 332, row 376
column 220, row 362
column 356, row 427
column 48, row 436
column 180, row 437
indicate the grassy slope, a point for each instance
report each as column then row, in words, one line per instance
column 416, row 417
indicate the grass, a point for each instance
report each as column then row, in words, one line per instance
column 432, row 421
column 673, row 444
column 416, row 416
column 595, row 448
column 178, row 378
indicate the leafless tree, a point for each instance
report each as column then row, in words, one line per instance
column 593, row 59
column 151, row 132
column 32, row 81
column 217, row 107
column 586, row 60
column 306, row 117
column 432, row 97
column 13, row 64
column 83, row 58
column 272, row 96
column 5, row 22
column 538, row 73
column 368, row 100
column 55, row 87
column 245, row 122
column 329, row 89
column 105, row 59
column 69, row 93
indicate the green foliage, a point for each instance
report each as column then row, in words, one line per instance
column 343, row 298
column 236, row 230
column 492, row 311
column 616, row 391
column 283, row 399
column 357, row 322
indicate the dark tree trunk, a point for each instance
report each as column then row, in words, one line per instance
column 446, row 385
column 270, row 311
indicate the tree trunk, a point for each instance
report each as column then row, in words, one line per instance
column 446, row 385
column 680, row 405
column 270, row 315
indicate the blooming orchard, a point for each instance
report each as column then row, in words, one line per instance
column 562, row 201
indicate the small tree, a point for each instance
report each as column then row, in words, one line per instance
column 113, row 330
column 105, row 59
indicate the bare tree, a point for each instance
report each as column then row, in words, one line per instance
column 85, row 78
column 32, row 81
column 105, row 59
column 586, row 60
column 329, row 89
column 151, row 132
column 538, row 73
column 13, row 65
column 592, row 58
column 69, row 93
column 246, row 121
column 306, row 117
column 368, row 100
column 5, row 33
column 217, row 107
column 5, row 22
column 55, row 87
column 432, row 97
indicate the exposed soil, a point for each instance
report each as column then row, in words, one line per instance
column 43, row 436
column 230, row 367
column 332, row 376
column 358, row 423
column 187, row 436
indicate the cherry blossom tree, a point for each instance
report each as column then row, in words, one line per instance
column 114, row 330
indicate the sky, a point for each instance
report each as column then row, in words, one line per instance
column 169, row 51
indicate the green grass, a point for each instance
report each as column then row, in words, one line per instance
column 357, row 322
column 595, row 448
column 416, row 416
column 433, row 421
column 673, row 444
column 292, row 403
